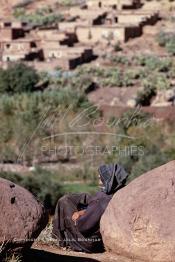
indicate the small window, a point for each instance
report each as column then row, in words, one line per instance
column 7, row 24
column 24, row 24
column 33, row 45
column 52, row 55
column 7, row 46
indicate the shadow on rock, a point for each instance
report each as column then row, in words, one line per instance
column 44, row 256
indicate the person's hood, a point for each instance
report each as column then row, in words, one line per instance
column 113, row 177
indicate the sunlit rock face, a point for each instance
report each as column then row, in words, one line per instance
column 139, row 220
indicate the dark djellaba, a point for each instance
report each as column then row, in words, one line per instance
column 76, row 222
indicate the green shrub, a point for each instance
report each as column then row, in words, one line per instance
column 129, row 76
column 19, row 12
column 117, row 47
column 156, row 146
column 163, row 38
column 23, row 3
column 153, row 83
column 41, row 183
column 123, row 60
column 37, row 115
column 165, row 65
column 150, row 62
column 148, row 162
column 144, row 97
column 65, row 2
column 18, row 78
column 161, row 82
column 79, row 188
column 167, row 40
column 154, row 63
column 42, row 17
column 112, row 77
column 170, row 46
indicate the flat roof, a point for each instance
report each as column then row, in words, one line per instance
column 113, row 26
column 20, row 40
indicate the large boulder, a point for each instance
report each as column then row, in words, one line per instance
column 22, row 217
column 139, row 222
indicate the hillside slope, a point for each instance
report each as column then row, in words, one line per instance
column 7, row 6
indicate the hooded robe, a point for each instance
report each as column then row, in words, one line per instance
column 84, row 234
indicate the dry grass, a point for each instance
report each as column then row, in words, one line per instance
column 10, row 258
column 46, row 236
column 13, row 258
column 2, row 246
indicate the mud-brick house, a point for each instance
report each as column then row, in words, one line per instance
column 70, row 58
column 94, row 16
column 50, row 49
column 51, row 42
column 58, row 36
column 20, row 49
column 14, row 45
column 107, row 33
column 137, row 16
column 114, row 4
column 129, row 4
column 11, row 31
column 133, row 17
column 70, row 27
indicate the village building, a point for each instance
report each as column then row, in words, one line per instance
column 93, row 16
column 107, row 33
column 68, row 59
column 115, row 4
column 72, row 42
column 101, row 25
column 8, row 31
column 69, row 27
column 137, row 16
column 14, row 45
column 20, row 49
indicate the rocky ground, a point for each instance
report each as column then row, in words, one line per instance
column 46, row 249
column 49, row 253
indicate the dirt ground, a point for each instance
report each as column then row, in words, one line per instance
column 45, row 253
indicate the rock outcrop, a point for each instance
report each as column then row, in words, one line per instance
column 22, row 217
column 139, row 220
column 164, row 98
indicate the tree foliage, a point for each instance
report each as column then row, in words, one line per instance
column 40, row 183
column 18, row 78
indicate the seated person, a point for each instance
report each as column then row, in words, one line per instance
column 76, row 223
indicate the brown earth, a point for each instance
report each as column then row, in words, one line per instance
column 45, row 253
column 160, row 113
column 112, row 96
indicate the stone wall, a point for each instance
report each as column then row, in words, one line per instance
column 14, row 51
column 100, row 34
column 132, row 32
column 8, row 33
column 118, row 4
